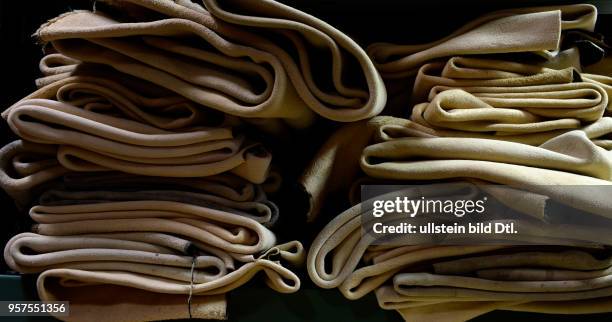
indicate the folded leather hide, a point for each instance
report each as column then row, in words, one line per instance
column 536, row 29
column 92, row 138
column 24, row 166
column 147, row 246
column 456, row 283
column 247, row 59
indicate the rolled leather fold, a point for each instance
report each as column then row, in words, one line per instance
column 505, row 100
column 342, row 240
column 537, row 169
column 107, row 96
column 425, row 281
column 242, row 70
column 55, row 67
column 28, row 169
column 536, row 29
column 421, row 281
column 263, row 211
column 514, row 113
column 550, row 281
column 25, row 168
column 90, row 141
column 396, row 157
column 334, row 168
column 212, row 273
column 469, row 72
column 147, row 247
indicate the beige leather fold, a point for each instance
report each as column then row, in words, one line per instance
column 530, row 103
column 27, row 169
column 536, row 169
column 479, row 73
column 445, row 158
column 334, row 170
column 336, row 164
column 151, row 267
column 485, row 74
column 598, row 132
column 24, row 166
column 536, row 29
column 336, row 253
column 147, row 249
column 153, row 94
column 341, row 256
column 523, row 111
column 107, row 96
column 244, row 69
column 602, row 80
column 91, row 141
column 457, row 283
column 172, row 217
column 263, row 211
column 56, row 63
column 422, row 295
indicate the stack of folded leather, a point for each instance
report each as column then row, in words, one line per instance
column 136, row 159
column 510, row 120
column 510, row 101
column 559, row 37
column 186, row 245
column 100, row 124
column 456, row 283
column 254, row 60
column 180, row 244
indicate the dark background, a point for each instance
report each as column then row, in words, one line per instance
column 365, row 21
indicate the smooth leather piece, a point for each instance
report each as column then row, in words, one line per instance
column 145, row 249
column 335, row 166
column 90, row 141
column 336, row 252
column 519, row 111
column 154, row 268
column 536, row 29
column 106, row 96
column 290, row 90
column 449, row 158
column 24, row 167
column 461, row 72
column 264, row 212
column 575, row 287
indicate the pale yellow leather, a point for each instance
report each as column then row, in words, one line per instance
column 536, row 29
